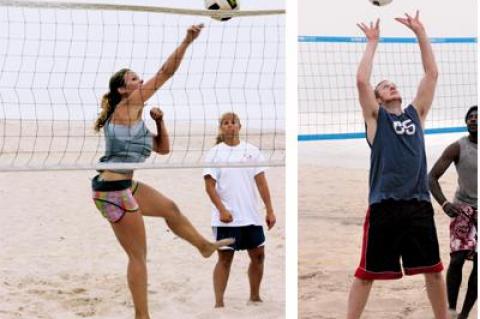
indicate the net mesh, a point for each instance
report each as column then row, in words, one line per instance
column 328, row 98
column 55, row 64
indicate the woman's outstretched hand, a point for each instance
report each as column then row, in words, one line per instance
column 193, row 32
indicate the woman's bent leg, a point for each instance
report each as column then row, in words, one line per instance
column 153, row 203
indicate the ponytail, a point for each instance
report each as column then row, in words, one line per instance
column 219, row 138
column 105, row 113
column 110, row 99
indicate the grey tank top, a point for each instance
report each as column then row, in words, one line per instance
column 126, row 144
column 467, row 173
column 398, row 165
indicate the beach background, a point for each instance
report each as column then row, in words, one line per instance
column 333, row 174
column 60, row 259
column 333, row 194
column 330, row 46
column 56, row 65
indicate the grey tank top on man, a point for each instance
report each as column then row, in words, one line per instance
column 126, row 144
column 398, row 165
column 467, row 173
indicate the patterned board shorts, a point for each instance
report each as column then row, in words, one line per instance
column 114, row 198
column 463, row 231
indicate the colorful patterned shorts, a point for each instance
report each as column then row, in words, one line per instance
column 463, row 231
column 114, row 198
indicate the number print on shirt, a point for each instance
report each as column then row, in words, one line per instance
column 405, row 127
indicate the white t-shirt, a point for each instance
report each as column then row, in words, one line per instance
column 236, row 186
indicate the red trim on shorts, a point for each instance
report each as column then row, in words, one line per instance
column 362, row 273
column 422, row 270
column 366, row 227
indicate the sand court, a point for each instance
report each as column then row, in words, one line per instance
column 333, row 192
column 60, row 258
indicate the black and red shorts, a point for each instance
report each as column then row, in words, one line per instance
column 399, row 230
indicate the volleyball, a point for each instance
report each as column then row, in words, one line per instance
column 224, row 5
column 380, row 3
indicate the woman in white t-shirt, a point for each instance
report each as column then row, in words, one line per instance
column 233, row 192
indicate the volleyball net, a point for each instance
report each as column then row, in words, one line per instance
column 56, row 59
column 328, row 98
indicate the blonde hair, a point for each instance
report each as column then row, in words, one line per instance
column 110, row 99
column 236, row 119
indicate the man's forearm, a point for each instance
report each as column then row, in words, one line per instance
column 436, row 190
column 364, row 70
column 428, row 59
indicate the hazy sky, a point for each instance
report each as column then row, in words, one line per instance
column 442, row 18
column 239, row 63
column 324, row 75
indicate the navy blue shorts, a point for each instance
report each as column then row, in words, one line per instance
column 397, row 231
column 246, row 237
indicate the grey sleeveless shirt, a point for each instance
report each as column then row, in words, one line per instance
column 126, row 144
column 467, row 173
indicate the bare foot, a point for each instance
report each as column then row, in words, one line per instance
column 254, row 301
column 210, row 247
column 452, row 314
column 219, row 305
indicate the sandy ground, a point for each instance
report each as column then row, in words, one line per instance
column 332, row 204
column 59, row 257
